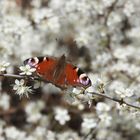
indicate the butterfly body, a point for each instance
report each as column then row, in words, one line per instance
column 59, row 72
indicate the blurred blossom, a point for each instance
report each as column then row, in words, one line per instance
column 34, row 118
column 5, row 5
column 15, row 25
column 137, row 126
column 1, row 130
column 131, row 70
column 77, row 103
column 134, row 32
column 99, row 6
column 21, row 89
column 83, row 7
column 61, row 115
column 72, row 94
column 44, row 121
column 27, row 70
column 116, row 84
column 107, row 3
column 82, row 39
column 13, row 133
column 50, row 135
column 114, row 19
column 89, row 123
column 129, row 8
column 4, row 50
column 49, row 88
column 38, row 84
column 2, row 138
column 103, row 59
column 102, row 134
column 33, row 109
column 76, row 91
column 39, row 14
column 4, row 101
column 123, row 93
column 86, row 97
column 70, row 5
column 30, row 138
column 3, row 66
column 68, row 135
column 108, row 134
column 102, row 107
column 53, row 24
column 99, row 85
column 2, row 123
column 105, row 120
column 39, row 133
column 36, row 3
column 124, row 53
column 55, row 4
column 81, row 106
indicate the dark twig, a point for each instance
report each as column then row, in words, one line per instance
column 12, row 76
column 120, row 101
column 21, row 77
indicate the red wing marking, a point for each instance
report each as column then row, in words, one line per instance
column 59, row 72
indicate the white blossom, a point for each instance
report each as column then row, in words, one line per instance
column 129, row 8
column 102, row 133
column 61, row 115
column 13, row 133
column 103, row 59
column 36, row 3
column 68, row 135
column 82, row 39
column 3, row 66
column 31, row 137
column 114, row 19
column 53, row 24
column 27, row 70
column 107, row 3
column 125, row 68
column 4, row 101
column 21, row 89
column 39, row 14
column 105, row 120
column 124, row 53
column 39, row 132
column 102, row 107
column 99, row 85
column 33, row 109
column 50, row 135
column 123, row 93
column 134, row 32
column 1, row 130
column 89, row 123
column 137, row 126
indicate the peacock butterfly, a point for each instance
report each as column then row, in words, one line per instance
column 59, row 72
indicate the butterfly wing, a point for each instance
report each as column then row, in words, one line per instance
column 46, row 69
column 59, row 72
column 50, row 69
column 76, row 77
column 53, row 70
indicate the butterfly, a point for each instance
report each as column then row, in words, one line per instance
column 59, row 72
